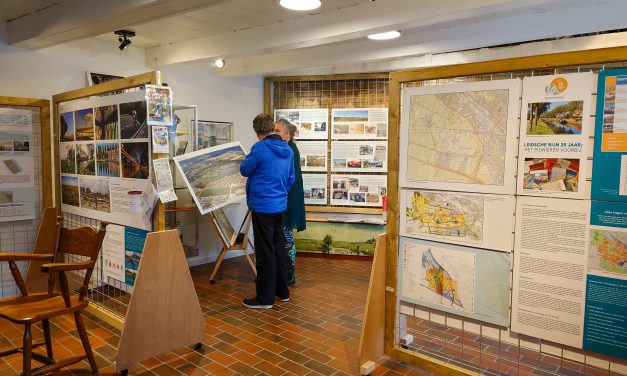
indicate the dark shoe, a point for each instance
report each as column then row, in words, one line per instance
column 254, row 303
column 282, row 299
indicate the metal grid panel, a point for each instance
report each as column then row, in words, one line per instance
column 488, row 349
column 19, row 236
column 330, row 94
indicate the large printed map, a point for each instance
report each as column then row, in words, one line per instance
column 445, row 215
column 458, row 137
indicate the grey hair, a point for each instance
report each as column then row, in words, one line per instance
column 290, row 127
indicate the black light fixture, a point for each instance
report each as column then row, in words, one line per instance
column 123, row 39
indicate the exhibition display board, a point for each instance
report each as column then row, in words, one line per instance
column 342, row 123
column 476, row 143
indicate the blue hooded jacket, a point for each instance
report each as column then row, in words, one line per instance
column 270, row 171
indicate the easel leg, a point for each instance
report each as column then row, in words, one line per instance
column 217, row 267
column 250, row 261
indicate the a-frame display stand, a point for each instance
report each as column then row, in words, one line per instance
column 239, row 242
column 373, row 330
column 164, row 312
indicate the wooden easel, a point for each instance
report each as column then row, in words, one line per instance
column 240, row 243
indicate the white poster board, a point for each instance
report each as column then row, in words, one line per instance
column 359, row 156
column 477, row 220
column 311, row 122
column 313, row 155
column 460, row 137
column 358, row 190
column 315, row 189
column 554, row 127
column 104, row 153
column 17, row 169
column 359, row 123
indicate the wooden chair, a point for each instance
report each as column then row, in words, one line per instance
column 30, row 309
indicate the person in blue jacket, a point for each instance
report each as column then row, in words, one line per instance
column 270, row 171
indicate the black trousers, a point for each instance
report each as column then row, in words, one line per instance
column 271, row 257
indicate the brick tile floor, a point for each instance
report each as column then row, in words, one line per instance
column 316, row 333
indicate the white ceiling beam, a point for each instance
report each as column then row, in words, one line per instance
column 329, row 27
column 430, row 40
column 78, row 19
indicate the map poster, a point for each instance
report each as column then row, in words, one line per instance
column 212, row 175
column 358, row 190
column 605, row 324
column 17, row 168
column 311, row 122
column 609, row 176
column 554, row 128
column 313, row 155
column 477, row 220
column 460, row 137
column 359, row 156
column 113, row 265
column 469, row 282
column 159, row 103
column 315, row 189
column 549, row 269
column 359, row 123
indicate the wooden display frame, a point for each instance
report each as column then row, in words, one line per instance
column 597, row 56
column 267, row 108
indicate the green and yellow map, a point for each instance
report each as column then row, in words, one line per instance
column 444, row 215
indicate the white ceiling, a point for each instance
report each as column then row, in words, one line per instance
column 260, row 37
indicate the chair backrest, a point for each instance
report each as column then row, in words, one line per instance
column 83, row 241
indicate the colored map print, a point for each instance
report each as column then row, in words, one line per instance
column 448, row 216
column 439, row 280
column 458, row 137
column 608, row 251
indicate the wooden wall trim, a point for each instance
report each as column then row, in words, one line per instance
column 329, row 77
column 561, row 59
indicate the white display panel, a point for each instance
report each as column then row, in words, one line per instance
column 466, row 281
column 460, row 137
column 359, row 123
column 311, row 122
column 478, row 220
column 359, row 156
column 17, row 168
column 313, row 155
column 315, row 189
column 105, row 159
column 549, row 284
column 554, row 128
column 358, row 190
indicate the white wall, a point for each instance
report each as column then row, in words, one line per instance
column 43, row 73
column 235, row 100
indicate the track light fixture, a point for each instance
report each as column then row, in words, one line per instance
column 124, row 38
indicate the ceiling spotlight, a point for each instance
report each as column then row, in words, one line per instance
column 385, row 36
column 300, row 4
column 219, row 63
column 124, row 38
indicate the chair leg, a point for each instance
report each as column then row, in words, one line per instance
column 28, row 348
column 46, row 326
column 80, row 326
